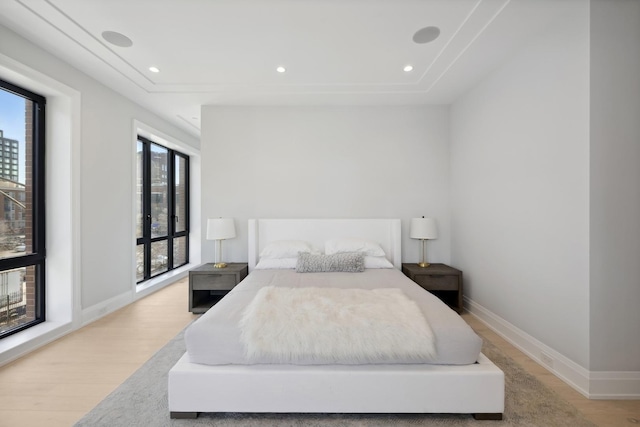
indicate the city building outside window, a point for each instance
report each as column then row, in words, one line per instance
column 22, row 217
column 162, row 211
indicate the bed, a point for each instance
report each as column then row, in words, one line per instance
column 215, row 375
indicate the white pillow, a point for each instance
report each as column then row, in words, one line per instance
column 352, row 244
column 272, row 263
column 285, row 249
column 377, row 262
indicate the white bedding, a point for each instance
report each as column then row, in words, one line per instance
column 214, row 339
column 335, row 326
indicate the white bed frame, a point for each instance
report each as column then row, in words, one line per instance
column 476, row 389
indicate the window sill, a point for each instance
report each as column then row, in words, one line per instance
column 17, row 345
column 161, row 281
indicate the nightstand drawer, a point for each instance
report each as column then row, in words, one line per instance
column 443, row 281
column 207, row 284
column 213, row 281
column 438, row 282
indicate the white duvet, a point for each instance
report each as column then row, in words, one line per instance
column 215, row 338
column 330, row 325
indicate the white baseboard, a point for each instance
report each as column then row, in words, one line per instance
column 614, row 385
column 591, row 384
column 103, row 308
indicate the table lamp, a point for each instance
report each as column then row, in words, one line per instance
column 423, row 229
column 219, row 229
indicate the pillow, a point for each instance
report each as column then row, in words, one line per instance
column 350, row 262
column 271, row 263
column 352, row 244
column 377, row 262
column 285, row 249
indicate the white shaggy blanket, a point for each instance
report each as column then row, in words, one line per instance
column 335, row 326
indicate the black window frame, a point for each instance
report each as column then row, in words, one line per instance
column 172, row 234
column 37, row 257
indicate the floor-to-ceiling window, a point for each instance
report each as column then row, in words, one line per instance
column 22, row 215
column 162, row 220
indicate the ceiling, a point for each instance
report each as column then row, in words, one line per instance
column 225, row 52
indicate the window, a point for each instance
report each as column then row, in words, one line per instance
column 22, row 217
column 162, row 223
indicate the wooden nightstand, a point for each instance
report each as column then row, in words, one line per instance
column 207, row 285
column 441, row 280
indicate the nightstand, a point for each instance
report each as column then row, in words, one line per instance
column 207, row 285
column 441, row 280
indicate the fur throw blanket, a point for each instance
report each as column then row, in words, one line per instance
column 335, row 326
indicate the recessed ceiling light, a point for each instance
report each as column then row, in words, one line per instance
column 426, row 35
column 117, row 39
column 154, row 69
column 281, row 69
column 408, row 68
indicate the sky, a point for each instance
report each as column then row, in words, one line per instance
column 12, row 123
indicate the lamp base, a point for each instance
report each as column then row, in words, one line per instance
column 220, row 265
column 423, row 264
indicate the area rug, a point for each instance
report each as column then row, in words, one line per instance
column 142, row 401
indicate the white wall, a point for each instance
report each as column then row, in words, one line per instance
column 615, row 184
column 323, row 162
column 520, row 188
column 94, row 214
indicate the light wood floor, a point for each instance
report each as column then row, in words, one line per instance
column 57, row 384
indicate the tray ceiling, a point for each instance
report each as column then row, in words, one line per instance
column 225, row 52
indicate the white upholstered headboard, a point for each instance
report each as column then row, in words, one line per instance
column 386, row 232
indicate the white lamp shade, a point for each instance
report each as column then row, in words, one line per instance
column 423, row 228
column 220, row 228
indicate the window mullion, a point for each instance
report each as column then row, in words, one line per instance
column 146, row 207
column 171, row 220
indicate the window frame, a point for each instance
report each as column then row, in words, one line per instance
column 37, row 257
column 147, row 240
